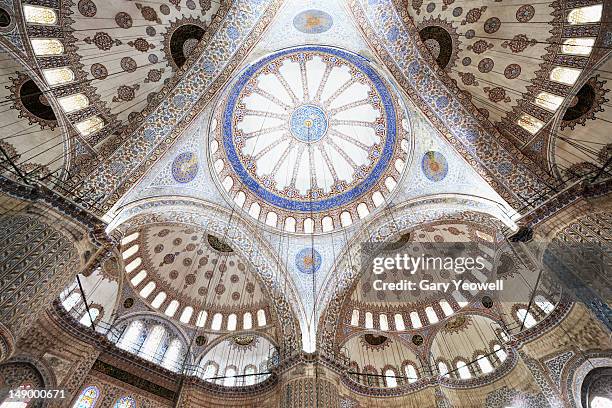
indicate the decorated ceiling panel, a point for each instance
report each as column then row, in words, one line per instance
column 32, row 135
column 178, row 267
column 515, row 62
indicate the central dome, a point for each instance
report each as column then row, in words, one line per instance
column 309, row 130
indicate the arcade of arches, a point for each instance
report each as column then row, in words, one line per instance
column 192, row 193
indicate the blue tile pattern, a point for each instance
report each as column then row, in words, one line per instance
column 308, row 260
column 313, row 21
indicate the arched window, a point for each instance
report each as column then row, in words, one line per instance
column 564, row 75
column 411, row 373
column 216, row 321
column 232, row 322
column 390, row 379
column 247, row 321
column 201, row 321
column 88, row 397
column 139, row 277
column 544, row 304
column 355, row 318
column 250, row 378
column 147, row 290
column 588, row 14
column 382, row 321
column 369, row 320
column 171, row 358
column 261, row 317
column 152, row 342
column 230, row 377
column 159, row 299
column 484, row 364
column 525, row 318
column 443, row 369
column 500, row 352
column 210, row 370
column 87, row 318
column 58, row 76
column 463, row 370
column 172, row 308
column 90, row 125
column 39, row 15
column 415, row 320
column 125, row 402
column 399, row 322
column 129, row 339
column 446, row 308
column 74, row 103
column 71, row 301
column 431, row 315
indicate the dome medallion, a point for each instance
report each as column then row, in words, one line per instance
column 309, row 133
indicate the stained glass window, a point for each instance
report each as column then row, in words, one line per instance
column 529, row 123
column 125, row 402
column 57, row 76
column 74, row 102
column 564, row 75
column 582, row 15
column 47, row 46
column 88, row 397
column 578, row 46
column 548, row 101
column 39, row 15
column 90, row 125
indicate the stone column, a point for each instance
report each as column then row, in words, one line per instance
column 41, row 251
column 309, row 386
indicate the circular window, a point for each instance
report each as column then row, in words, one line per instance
column 308, row 134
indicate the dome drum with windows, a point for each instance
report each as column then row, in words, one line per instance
column 310, row 139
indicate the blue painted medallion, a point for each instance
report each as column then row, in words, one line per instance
column 308, row 260
column 185, row 167
column 434, row 166
column 308, row 123
column 313, row 21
